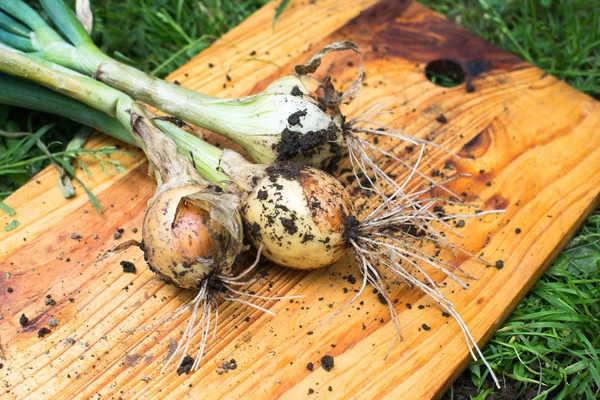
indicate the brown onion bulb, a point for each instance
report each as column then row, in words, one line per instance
column 299, row 215
column 181, row 241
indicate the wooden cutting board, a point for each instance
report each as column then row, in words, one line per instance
column 531, row 143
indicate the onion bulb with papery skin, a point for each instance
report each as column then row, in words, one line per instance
column 179, row 238
column 181, row 242
column 300, row 215
column 191, row 228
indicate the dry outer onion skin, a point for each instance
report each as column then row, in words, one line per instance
column 179, row 238
column 298, row 214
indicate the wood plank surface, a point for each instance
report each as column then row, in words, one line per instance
column 531, row 143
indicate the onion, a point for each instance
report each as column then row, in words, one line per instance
column 299, row 215
column 181, row 242
column 303, row 218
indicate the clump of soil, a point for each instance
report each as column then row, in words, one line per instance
column 286, row 169
column 128, row 267
column 296, row 91
column 43, row 332
column 50, row 301
column 327, row 363
column 289, row 225
column 228, row 365
column 293, row 144
column 186, row 365
column 294, row 119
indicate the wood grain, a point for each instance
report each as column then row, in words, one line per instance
column 530, row 142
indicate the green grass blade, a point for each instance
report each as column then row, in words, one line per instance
column 279, row 10
column 7, row 209
column 14, row 223
column 71, row 172
column 31, row 141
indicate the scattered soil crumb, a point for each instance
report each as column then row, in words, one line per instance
column 128, row 267
column 327, row 362
column 76, row 236
column 50, row 301
column 186, row 365
column 53, row 322
column 227, row 366
column 426, row 327
column 43, row 332
column 441, row 119
column 23, row 321
column 310, row 366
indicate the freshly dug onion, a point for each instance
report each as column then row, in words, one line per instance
column 300, row 215
column 305, row 128
column 181, row 242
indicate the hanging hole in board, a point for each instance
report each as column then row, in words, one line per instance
column 445, row 73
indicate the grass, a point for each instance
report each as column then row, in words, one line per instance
column 549, row 346
column 158, row 36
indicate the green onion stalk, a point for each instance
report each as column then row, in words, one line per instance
column 296, row 215
column 296, row 118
